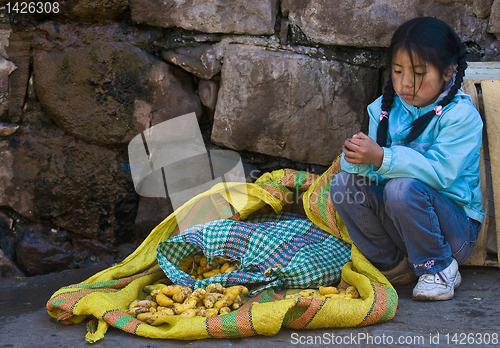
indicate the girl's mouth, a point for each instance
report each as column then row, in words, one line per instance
column 406, row 96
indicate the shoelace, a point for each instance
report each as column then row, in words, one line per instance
column 443, row 277
column 432, row 277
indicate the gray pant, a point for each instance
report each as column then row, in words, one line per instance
column 406, row 217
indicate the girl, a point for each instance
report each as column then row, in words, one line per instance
column 409, row 192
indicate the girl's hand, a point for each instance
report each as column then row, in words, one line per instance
column 361, row 149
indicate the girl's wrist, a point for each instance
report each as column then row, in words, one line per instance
column 379, row 158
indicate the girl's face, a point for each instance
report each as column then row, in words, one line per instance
column 419, row 87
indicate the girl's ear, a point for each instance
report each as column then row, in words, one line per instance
column 449, row 72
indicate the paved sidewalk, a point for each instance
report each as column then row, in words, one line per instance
column 469, row 320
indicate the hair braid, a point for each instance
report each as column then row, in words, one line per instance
column 387, row 100
column 459, row 78
column 418, row 126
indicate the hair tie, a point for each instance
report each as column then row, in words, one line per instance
column 383, row 115
column 438, row 110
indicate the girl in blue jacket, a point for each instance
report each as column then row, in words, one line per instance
column 409, row 191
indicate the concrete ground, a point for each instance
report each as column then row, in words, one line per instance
column 471, row 319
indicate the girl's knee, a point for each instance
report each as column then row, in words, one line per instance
column 399, row 190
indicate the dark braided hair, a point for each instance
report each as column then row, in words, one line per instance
column 434, row 42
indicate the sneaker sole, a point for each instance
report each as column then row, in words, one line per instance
column 442, row 297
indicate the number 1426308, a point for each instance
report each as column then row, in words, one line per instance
column 472, row 338
column 32, row 7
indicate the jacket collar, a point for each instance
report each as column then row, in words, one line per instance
column 418, row 111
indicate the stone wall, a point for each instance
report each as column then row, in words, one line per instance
column 283, row 83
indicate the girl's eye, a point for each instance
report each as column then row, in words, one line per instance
column 397, row 72
column 420, row 73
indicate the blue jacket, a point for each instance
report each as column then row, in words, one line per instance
column 445, row 156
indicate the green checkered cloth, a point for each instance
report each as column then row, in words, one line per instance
column 310, row 257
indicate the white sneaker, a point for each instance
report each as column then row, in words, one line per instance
column 438, row 286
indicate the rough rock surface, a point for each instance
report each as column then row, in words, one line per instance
column 369, row 23
column 7, row 129
column 53, row 178
column 7, row 267
column 494, row 24
column 199, row 61
column 290, row 105
column 107, row 92
column 208, row 91
column 150, row 213
column 18, row 52
column 6, row 68
column 352, row 23
column 482, row 8
column 210, row 16
column 44, row 251
column 93, row 10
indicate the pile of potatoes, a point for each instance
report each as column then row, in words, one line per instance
column 169, row 300
column 326, row 292
column 198, row 268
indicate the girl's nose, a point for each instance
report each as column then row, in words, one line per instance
column 407, row 79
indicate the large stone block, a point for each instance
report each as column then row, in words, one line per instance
column 482, row 8
column 371, row 23
column 199, row 61
column 6, row 68
column 290, row 105
column 459, row 14
column 93, row 10
column 494, row 24
column 57, row 180
column 363, row 23
column 106, row 92
column 18, row 52
column 210, row 16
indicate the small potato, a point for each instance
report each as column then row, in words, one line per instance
column 238, row 289
column 237, row 302
column 224, row 267
column 231, row 269
column 197, row 258
column 134, row 303
column 204, row 312
column 218, row 260
column 224, row 310
column 182, row 307
column 163, row 300
column 210, row 299
column 211, row 273
column 165, row 311
column 214, row 288
column 307, row 293
column 324, row 290
column 181, row 296
column 189, row 313
column 171, row 290
column 144, row 303
column 203, row 261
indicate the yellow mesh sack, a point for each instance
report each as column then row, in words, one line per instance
column 104, row 297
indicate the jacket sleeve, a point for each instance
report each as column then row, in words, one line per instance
column 444, row 161
column 367, row 170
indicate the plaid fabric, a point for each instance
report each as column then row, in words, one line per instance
column 310, row 256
